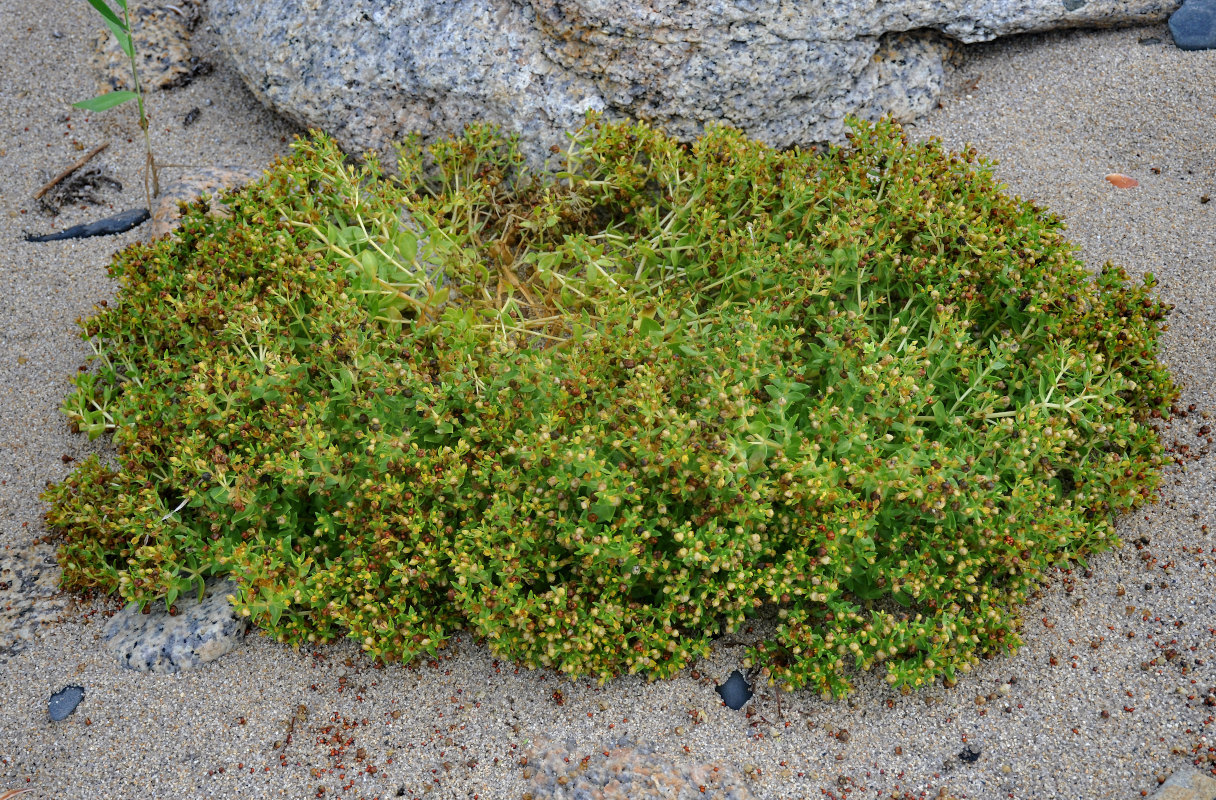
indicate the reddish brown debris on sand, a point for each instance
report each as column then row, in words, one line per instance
column 1122, row 181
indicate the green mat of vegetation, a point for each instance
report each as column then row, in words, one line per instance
column 597, row 417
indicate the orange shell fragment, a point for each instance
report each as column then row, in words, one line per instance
column 1122, row 181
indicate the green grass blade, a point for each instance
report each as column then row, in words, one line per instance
column 103, row 102
column 107, row 13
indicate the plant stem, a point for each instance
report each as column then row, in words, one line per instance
column 150, row 160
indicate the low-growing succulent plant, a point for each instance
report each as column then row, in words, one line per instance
column 601, row 415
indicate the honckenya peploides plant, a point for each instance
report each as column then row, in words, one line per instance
column 599, row 416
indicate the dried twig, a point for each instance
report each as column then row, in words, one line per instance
column 55, row 180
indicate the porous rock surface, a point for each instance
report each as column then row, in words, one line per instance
column 784, row 71
column 158, row 641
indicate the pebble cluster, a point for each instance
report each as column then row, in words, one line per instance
column 625, row 772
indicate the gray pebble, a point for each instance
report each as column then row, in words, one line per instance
column 64, row 702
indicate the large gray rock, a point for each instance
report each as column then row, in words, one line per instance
column 784, row 71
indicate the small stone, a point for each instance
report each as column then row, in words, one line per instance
column 1194, row 25
column 970, row 754
column 1122, row 181
column 1187, row 784
column 199, row 633
column 736, row 691
column 1005, row 768
column 64, row 702
column 166, row 215
column 162, row 44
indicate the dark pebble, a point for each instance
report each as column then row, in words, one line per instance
column 735, row 692
column 64, row 702
column 1194, row 25
column 970, row 754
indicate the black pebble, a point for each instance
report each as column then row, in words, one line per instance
column 191, row 117
column 970, row 754
column 64, row 702
column 735, row 692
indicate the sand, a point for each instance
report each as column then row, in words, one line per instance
column 1059, row 111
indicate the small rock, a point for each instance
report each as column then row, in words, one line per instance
column 199, row 633
column 1122, row 181
column 736, row 691
column 162, row 47
column 64, row 702
column 212, row 180
column 970, row 754
column 1194, row 25
column 191, row 117
column 1186, row 784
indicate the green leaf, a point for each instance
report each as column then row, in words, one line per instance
column 407, row 245
column 939, row 413
column 112, row 19
column 103, row 102
column 604, row 511
column 440, row 297
column 124, row 42
column 371, row 264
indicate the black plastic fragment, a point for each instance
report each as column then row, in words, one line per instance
column 119, row 223
column 735, row 692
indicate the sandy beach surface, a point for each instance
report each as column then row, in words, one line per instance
column 1106, row 698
